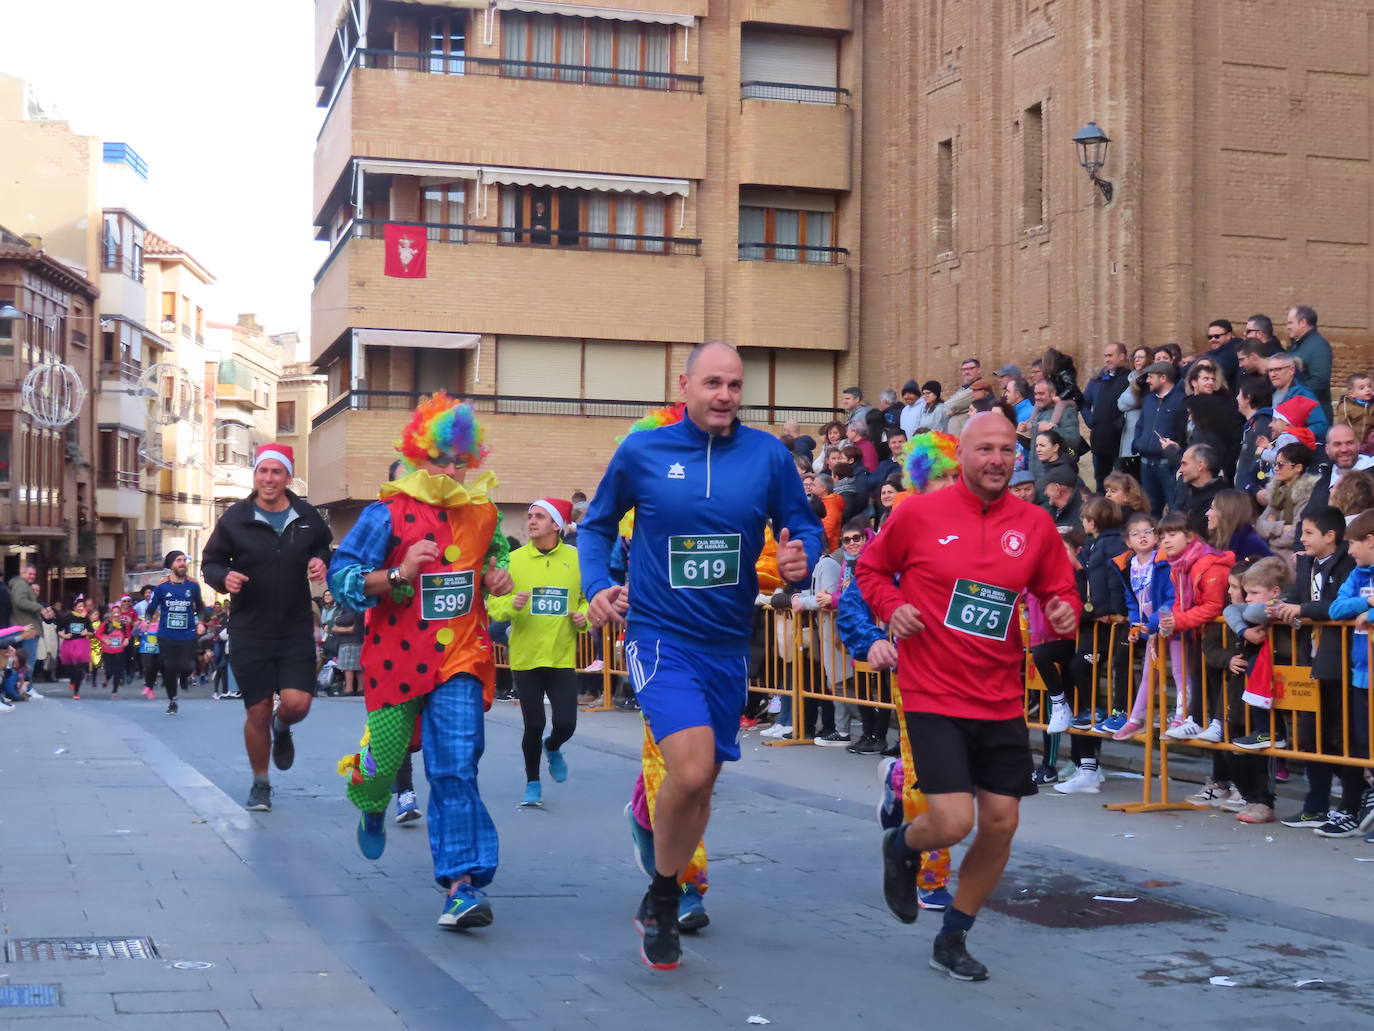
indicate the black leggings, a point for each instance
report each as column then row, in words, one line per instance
column 531, row 685
column 116, row 668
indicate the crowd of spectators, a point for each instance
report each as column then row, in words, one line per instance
column 1202, row 497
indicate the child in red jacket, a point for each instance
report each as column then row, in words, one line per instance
column 1199, row 575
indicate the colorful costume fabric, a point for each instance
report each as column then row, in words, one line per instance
column 644, row 801
column 428, row 669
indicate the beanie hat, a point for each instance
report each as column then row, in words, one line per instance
column 278, row 452
column 558, row 509
column 910, row 387
column 172, row 556
column 933, row 385
column 1062, row 475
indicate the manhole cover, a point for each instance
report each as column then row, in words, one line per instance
column 1079, row 910
column 29, row 995
column 27, row 950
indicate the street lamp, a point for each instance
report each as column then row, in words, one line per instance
column 1092, row 145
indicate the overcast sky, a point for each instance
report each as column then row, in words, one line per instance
column 218, row 99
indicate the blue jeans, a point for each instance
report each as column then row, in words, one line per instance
column 1157, row 477
column 462, row 837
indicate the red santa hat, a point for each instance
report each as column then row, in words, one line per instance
column 278, row 452
column 558, row 509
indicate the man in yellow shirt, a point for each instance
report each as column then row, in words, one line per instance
column 547, row 611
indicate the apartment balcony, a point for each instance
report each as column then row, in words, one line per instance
column 351, row 441
column 523, row 114
column 791, row 135
column 790, row 304
column 118, row 401
column 495, row 282
column 117, row 495
column 233, row 482
column 812, row 14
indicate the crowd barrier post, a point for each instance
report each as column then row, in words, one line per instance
column 786, row 632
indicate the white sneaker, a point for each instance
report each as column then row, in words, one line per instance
column 775, row 705
column 1230, row 801
column 776, row 730
column 1084, row 782
column 1211, row 794
column 1060, row 717
column 595, row 666
column 6, row 706
column 33, row 693
column 1187, row 730
column 1212, row 733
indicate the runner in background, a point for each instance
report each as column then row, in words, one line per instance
column 176, row 604
column 546, row 612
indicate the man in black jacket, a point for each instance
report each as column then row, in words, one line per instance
column 1163, row 425
column 1101, row 413
column 1322, row 569
column 1198, row 481
column 262, row 552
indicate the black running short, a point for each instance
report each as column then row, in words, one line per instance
column 953, row 754
column 176, row 658
column 262, row 672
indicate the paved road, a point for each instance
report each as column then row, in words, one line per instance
column 118, row 820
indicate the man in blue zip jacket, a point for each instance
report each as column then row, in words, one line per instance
column 1162, row 429
column 703, row 490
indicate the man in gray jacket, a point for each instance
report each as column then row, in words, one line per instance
column 25, row 607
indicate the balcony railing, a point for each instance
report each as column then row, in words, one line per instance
column 793, row 91
column 511, row 236
column 793, row 252
column 507, row 404
column 126, row 370
column 536, row 71
column 118, row 479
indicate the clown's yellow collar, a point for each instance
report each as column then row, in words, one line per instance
column 442, row 491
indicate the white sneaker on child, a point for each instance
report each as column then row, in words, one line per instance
column 1212, row 733
column 1211, row 794
column 1060, row 717
column 1231, row 801
column 1084, row 782
column 1184, row 731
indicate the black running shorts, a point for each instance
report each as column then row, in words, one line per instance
column 260, row 672
column 953, row 754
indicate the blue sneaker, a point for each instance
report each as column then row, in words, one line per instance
column 372, row 835
column 691, row 910
column 1082, row 721
column 890, row 805
column 936, row 898
column 466, row 907
column 643, row 842
column 534, row 795
column 1369, row 838
column 558, row 766
column 407, row 809
column 1111, row 724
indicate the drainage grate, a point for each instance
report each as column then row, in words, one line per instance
column 29, row 995
column 28, row 950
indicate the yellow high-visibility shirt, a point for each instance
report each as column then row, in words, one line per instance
column 542, row 633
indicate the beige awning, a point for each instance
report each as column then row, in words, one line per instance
column 475, row 5
column 433, row 170
column 588, row 11
column 416, row 338
column 585, row 181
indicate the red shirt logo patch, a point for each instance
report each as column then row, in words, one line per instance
column 1014, row 543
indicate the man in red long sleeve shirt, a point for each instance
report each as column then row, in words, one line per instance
column 946, row 574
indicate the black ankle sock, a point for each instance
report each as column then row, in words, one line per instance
column 901, row 851
column 957, row 921
column 664, row 886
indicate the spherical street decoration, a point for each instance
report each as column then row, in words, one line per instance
column 171, row 394
column 52, row 394
column 183, row 451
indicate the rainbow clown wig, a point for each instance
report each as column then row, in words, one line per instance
column 928, row 457
column 442, row 425
column 656, row 418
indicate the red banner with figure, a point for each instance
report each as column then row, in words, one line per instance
column 406, row 251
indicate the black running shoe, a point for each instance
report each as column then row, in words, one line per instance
column 951, row 956
column 899, row 882
column 283, row 749
column 259, row 799
column 656, row 921
column 171, row 709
